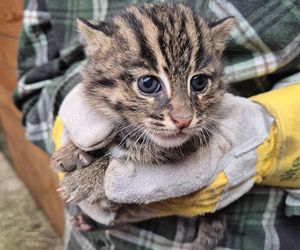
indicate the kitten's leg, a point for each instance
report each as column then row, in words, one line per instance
column 83, row 180
column 210, row 232
column 70, row 157
column 85, row 183
column 84, row 173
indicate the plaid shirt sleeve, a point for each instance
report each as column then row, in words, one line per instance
column 46, row 72
column 263, row 48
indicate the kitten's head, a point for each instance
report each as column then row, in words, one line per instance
column 156, row 68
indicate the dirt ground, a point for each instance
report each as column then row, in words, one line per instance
column 22, row 224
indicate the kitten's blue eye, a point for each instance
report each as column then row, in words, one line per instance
column 199, row 82
column 149, row 84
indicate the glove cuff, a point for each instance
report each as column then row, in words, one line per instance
column 279, row 156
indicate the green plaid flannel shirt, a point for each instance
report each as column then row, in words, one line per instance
column 263, row 48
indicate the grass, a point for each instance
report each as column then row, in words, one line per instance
column 22, row 224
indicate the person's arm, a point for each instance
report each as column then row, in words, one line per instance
column 255, row 144
column 277, row 160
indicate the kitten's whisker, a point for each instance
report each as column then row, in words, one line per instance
column 222, row 136
column 120, row 130
column 136, row 129
column 129, row 135
column 223, row 125
column 159, row 158
column 145, row 140
column 207, row 140
column 201, row 148
column 111, row 136
column 140, row 148
column 134, row 145
column 217, row 131
column 200, row 137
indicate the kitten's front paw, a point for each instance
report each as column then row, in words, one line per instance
column 69, row 158
column 85, row 183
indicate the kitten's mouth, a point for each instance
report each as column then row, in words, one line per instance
column 174, row 136
column 170, row 140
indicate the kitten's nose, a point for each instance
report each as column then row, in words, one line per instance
column 181, row 122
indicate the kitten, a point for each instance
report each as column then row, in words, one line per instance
column 155, row 71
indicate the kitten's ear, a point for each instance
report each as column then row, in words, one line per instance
column 220, row 30
column 94, row 35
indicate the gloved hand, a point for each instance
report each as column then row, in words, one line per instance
column 256, row 143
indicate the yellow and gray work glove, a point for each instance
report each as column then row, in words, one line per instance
column 258, row 142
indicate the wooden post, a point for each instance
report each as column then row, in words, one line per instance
column 30, row 163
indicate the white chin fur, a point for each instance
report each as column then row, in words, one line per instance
column 169, row 141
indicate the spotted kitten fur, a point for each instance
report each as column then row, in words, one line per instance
column 155, row 71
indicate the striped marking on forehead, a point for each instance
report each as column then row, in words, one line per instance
column 151, row 33
column 127, row 34
column 144, row 38
column 167, row 25
column 177, row 37
column 161, row 34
